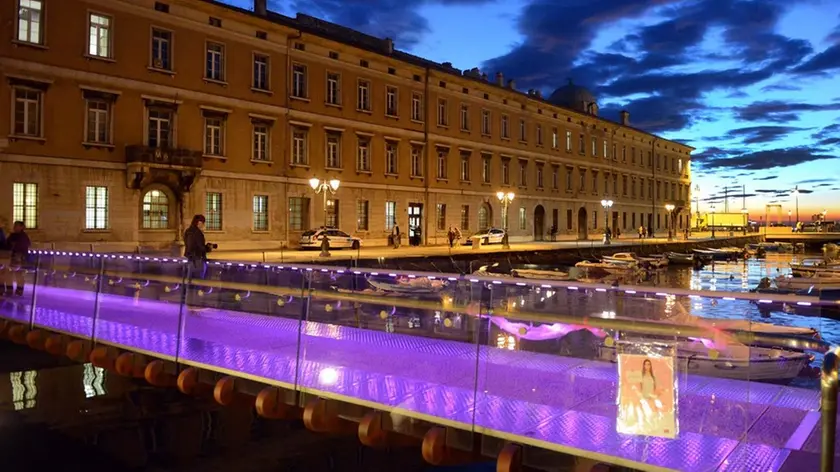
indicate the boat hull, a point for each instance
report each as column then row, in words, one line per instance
column 773, row 365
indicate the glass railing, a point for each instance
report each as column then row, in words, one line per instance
column 644, row 376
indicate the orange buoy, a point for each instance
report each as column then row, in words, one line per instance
column 188, row 382
column 17, row 334
column 225, row 390
column 104, row 357
column 318, row 418
column 436, row 452
column 36, row 339
column 155, row 373
column 510, row 459
column 269, row 405
column 372, row 432
column 130, row 364
column 78, row 350
column 56, row 344
column 4, row 328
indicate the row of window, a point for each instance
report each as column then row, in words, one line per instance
column 30, row 19
column 160, row 127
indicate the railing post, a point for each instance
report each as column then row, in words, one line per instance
column 828, row 410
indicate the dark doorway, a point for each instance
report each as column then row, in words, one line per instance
column 583, row 231
column 539, row 223
column 415, row 222
column 485, row 217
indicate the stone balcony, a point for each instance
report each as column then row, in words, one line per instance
column 163, row 157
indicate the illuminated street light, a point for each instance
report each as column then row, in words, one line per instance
column 505, row 199
column 670, row 209
column 325, row 187
column 607, row 204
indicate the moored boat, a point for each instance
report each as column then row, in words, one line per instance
column 732, row 361
column 540, row 274
column 821, row 282
column 409, row 285
column 654, row 262
column 608, row 267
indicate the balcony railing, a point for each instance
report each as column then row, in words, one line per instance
column 163, row 156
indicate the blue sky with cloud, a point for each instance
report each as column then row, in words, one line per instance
column 754, row 85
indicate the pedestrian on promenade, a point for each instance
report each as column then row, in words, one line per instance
column 641, row 232
column 451, row 236
column 196, row 247
column 18, row 244
column 395, row 235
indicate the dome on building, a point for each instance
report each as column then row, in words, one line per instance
column 575, row 97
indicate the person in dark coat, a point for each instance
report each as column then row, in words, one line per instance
column 195, row 247
column 18, row 244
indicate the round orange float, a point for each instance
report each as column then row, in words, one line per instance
column 78, row 350
column 55, row 344
column 17, row 334
column 225, row 391
column 510, row 459
column 155, row 373
column 104, row 357
column 36, row 339
column 270, row 406
column 188, row 381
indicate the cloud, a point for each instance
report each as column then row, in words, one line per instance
column 815, row 181
column 761, row 134
column 777, row 111
column 769, row 177
column 821, row 63
column 399, row 20
column 766, row 159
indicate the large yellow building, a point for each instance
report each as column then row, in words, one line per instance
column 126, row 117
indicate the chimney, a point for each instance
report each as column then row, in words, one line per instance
column 484, row 76
column 260, row 7
column 511, row 84
column 538, row 94
column 389, row 45
column 448, row 65
column 500, row 79
column 625, row 117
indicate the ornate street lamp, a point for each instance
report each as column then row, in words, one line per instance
column 325, row 187
column 796, row 196
column 670, row 209
column 505, row 199
column 745, row 212
column 607, row 204
column 712, row 208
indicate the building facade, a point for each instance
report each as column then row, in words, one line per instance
column 126, row 117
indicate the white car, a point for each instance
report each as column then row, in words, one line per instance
column 338, row 239
column 490, row 236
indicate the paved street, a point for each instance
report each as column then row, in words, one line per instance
column 296, row 255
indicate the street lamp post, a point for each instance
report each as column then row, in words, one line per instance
column 796, row 196
column 670, row 209
column 789, row 222
column 607, row 204
column 697, row 197
column 325, row 187
column 505, row 199
column 712, row 209
column 746, row 219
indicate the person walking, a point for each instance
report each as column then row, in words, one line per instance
column 395, row 235
column 451, row 236
column 18, row 244
column 641, row 232
column 196, row 248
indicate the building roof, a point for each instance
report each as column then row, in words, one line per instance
column 385, row 47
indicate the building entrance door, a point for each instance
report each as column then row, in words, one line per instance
column 415, row 222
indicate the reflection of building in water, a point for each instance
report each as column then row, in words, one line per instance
column 506, row 341
column 24, row 389
column 93, row 381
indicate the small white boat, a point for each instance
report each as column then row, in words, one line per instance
column 630, row 257
column 732, row 361
column 743, row 325
column 810, row 267
column 818, row 281
column 409, row 285
column 608, row 267
column 540, row 274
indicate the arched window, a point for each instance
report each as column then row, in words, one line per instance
column 155, row 210
column 484, row 217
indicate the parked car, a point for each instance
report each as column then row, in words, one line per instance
column 338, row 239
column 489, row 236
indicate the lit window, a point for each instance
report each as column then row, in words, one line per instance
column 155, row 210
column 213, row 211
column 260, row 212
column 99, row 43
column 25, row 204
column 96, row 208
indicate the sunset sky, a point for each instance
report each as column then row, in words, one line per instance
column 752, row 84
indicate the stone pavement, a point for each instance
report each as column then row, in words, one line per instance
column 405, row 251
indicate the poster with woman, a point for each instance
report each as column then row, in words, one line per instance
column 646, row 395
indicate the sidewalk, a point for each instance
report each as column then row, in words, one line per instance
column 313, row 256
